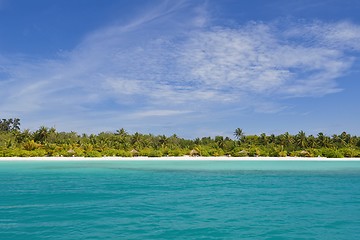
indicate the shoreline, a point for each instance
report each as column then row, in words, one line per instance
column 183, row 158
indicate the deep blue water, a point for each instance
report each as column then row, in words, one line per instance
column 179, row 200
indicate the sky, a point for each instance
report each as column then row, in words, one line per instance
column 193, row 68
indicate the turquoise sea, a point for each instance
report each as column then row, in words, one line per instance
column 179, row 200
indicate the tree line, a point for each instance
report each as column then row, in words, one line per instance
column 49, row 142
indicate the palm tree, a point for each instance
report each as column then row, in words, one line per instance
column 301, row 139
column 323, row 140
column 239, row 135
column 263, row 139
column 311, row 141
column 41, row 134
column 173, row 141
column 5, row 124
column 344, row 138
column 272, row 138
column 336, row 141
column 163, row 140
column 121, row 132
column 16, row 124
column 220, row 141
column 288, row 139
column 136, row 140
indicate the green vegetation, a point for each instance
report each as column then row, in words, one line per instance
column 48, row 142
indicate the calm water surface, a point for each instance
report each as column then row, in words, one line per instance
column 179, row 200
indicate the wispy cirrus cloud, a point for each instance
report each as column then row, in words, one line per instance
column 156, row 66
column 342, row 35
column 256, row 59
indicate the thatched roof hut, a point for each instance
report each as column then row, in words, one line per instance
column 71, row 152
column 134, row 152
column 194, row 153
column 304, row 153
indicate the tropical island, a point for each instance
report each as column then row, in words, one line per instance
column 48, row 142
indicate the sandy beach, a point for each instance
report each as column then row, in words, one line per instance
column 183, row 158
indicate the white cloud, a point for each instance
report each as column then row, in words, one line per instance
column 158, row 67
column 157, row 113
column 342, row 35
column 254, row 59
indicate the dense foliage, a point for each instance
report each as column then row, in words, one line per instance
column 49, row 142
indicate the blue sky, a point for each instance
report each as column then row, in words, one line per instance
column 191, row 67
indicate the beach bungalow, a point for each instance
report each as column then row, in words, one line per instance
column 134, row 153
column 194, row 153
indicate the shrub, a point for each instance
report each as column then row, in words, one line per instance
column 175, row 152
column 331, row 153
column 155, row 153
column 93, row 154
column 283, row 154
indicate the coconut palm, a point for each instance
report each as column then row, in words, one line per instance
column 41, row 134
column 288, row 139
column 239, row 135
column 263, row 139
column 163, row 141
column 323, row 140
column 220, row 141
column 16, row 124
column 344, row 138
column 301, row 140
column 311, row 141
column 121, row 132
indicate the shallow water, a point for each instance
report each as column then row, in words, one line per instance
column 179, row 200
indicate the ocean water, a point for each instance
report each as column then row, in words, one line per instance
column 179, row 200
